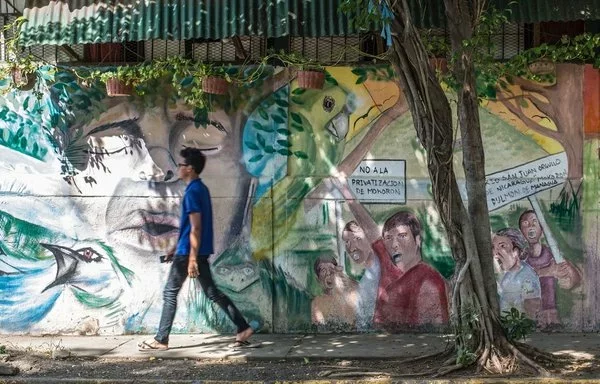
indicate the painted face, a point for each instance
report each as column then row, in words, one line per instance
column 357, row 246
column 506, row 254
column 530, row 228
column 403, row 246
column 131, row 153
column 327, row 276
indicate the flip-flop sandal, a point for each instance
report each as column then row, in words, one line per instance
column 244, row 345
column 145, row 347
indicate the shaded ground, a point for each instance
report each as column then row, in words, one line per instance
column 38, row 365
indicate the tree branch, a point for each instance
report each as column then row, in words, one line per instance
column 546, row 108
column 530, row 123
column 531, row 86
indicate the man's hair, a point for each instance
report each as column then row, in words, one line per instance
column 403, row 218
column 194, row 157
column 352, row 226
column 521, row 218
column 324, row 260
column 518, row 241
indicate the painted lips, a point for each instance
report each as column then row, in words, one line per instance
column 146, row 228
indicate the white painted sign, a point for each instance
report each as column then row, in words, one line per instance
column 382, row 181
column 525, row 180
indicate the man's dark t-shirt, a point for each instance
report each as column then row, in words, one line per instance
column 196, row 199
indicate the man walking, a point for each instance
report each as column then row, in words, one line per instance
column 190, row 258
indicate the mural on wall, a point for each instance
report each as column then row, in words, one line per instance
column 323, row 213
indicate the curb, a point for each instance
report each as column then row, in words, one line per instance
column 498, row 380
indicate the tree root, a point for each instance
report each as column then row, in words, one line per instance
column 442, row 354
column 539, row 355
column 447, row 370
column 522, row 357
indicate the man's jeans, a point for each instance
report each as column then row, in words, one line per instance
column 177, row 275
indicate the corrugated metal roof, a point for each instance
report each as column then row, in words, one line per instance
column 96, row 21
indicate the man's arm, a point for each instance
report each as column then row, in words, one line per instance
column 195, row 230
column 366, row 222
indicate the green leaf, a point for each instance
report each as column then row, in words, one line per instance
column 256, row 158
column 283, row 131
column 282, row 102
column 263, row 113
column 284, row 152
column 361, row 79
column 301, row 155
column 297, row 100
column 296, row 118
column 298, row 91
column 251, row 145
column 298, row 127
column 260, row 140
column 269, row 149
column 284, row 143
column 278, row 119
column 330, row 79
column 359, row 71
column 257, row 125
column 26, row 102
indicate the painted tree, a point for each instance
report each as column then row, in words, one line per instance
column 480, row 337
column 559, row 102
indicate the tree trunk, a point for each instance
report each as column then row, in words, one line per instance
column 478, row 333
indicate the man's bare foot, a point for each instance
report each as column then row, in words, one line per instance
column 244, row 335
column 152, row 345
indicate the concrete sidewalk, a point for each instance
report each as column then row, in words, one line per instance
column 283, row 346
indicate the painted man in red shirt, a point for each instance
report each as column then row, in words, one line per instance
column 419, row 296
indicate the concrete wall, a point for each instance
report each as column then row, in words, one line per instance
column 89, row 200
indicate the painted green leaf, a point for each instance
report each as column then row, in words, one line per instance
column 330, row 79
column 361, row 79
column 301, row 155
column 269, row 149
column 297, row 100
column 260, row 140
column 283, row 131
column 282, row 102
column 278, row 119
column 284, row 152
column 298, row 127
column 284, row 143
column 251, row 145
column 298, row 91
column 263, row 113
column 256, row 158
column 26, row 102
column 91, row 300
column 359, row 71
column 257, row 125
column 296, row 118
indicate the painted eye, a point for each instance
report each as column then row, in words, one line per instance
column 223, row 270
column 248, row 271
column 328, row 103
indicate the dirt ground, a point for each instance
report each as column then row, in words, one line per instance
column 40, row 365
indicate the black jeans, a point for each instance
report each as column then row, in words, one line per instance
column 177, row 275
